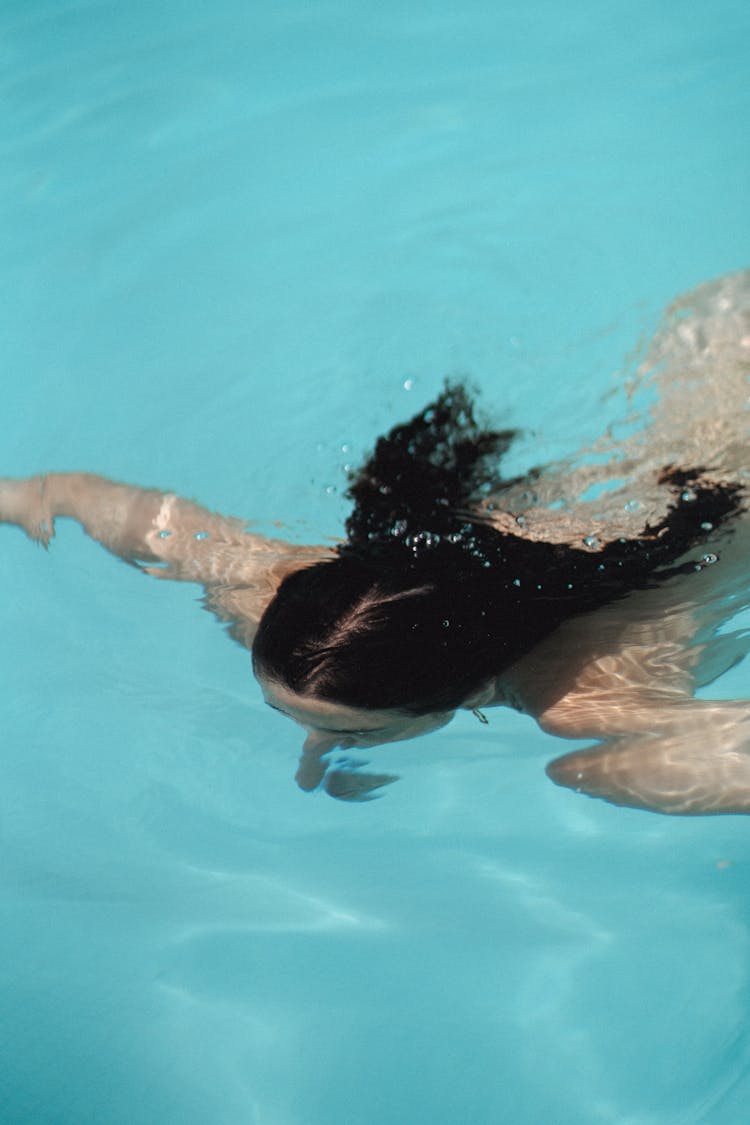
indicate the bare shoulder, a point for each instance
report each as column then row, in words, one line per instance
column 626, row 676
column 630, row 687
column 240, row 598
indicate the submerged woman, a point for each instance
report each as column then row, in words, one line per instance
column 576, row 594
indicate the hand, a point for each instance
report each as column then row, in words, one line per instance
column 24, row 503
column 346, row 784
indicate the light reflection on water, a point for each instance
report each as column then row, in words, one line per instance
column 237, row 242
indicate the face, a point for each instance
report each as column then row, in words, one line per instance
column 330, row 725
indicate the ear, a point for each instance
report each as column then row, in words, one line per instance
column 482, row 697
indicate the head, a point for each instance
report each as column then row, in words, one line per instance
column 359, row 656
column 329, row 726
column 390, row 638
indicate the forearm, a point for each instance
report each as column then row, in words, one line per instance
column 140, row 525
column 693, row 763
column 119, row 516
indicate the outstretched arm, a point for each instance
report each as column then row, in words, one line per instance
column 164, row 535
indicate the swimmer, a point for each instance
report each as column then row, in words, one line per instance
column 586, row 594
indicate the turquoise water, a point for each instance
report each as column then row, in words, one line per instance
column 237, row 244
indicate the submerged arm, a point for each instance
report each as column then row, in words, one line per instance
column 661, row 749
column 690, row 758
column 625, row 676
column 164, row 535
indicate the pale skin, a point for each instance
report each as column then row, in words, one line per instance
column 624, row 676
column 167, row 537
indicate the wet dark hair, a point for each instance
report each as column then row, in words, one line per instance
column 426, row 600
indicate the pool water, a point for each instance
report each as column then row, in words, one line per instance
column 237, row 245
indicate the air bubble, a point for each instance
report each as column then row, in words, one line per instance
column 164, row 534
column 592, row 542
column 516, row 581
column 201, row 535
column 521, row 521
column 707, row 526
column 688, row 494
column 446, row 623
column 709, row 558
column 632, row 506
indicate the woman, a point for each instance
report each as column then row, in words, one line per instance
column 577, row 594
